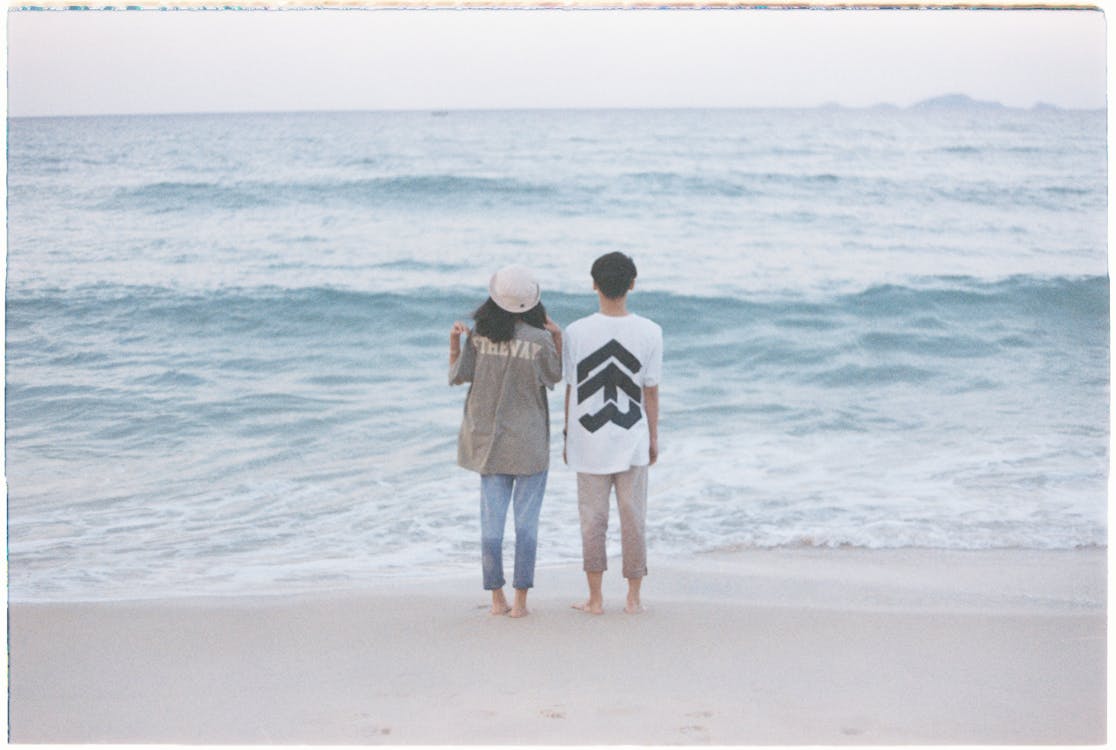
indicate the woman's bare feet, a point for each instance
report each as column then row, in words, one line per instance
column 520, row 608
column 499, row 603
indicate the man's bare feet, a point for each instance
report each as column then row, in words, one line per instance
column 634, row 607
column 590, row 607
column 594, row 605
column 518, row 612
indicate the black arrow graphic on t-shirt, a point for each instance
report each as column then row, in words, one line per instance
column 610, row 378
column 610, row 413
column 611, row 350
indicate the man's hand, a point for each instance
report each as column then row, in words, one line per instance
column 651, row 407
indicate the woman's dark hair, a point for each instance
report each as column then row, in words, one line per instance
column 614, row 274
column 497, row 324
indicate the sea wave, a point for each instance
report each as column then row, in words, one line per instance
column 414, row 191
column 923, row 305
column 465, row 192
column 172, row 351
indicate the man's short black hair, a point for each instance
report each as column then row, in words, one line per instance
column 614, row 274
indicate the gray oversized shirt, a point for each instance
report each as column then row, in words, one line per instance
column 506, row 427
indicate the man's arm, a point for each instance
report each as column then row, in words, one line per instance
column 651, row 406
column 566, row 425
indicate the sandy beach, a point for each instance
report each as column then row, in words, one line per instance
column 789, row 646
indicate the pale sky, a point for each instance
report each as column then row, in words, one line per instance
column 83, row 62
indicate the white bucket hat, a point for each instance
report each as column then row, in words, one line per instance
column 514, row 289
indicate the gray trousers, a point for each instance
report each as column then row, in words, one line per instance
column 593, row 491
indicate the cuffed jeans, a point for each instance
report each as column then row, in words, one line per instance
column 525, row 493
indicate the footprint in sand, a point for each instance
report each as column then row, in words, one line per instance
column 365, row 719
column 377, row 731
column 552, row 713
column 696, row 733
column 700, row 714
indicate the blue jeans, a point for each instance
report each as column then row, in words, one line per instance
column 526, row 493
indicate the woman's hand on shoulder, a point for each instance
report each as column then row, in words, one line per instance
column 555, row 332
column 458, row 329
column 455, row 340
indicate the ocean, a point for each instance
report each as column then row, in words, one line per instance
column 227, row 335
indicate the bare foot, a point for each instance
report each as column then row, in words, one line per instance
column 634, row 607
column 499, row 603
column 590, row 607
column 519, row 609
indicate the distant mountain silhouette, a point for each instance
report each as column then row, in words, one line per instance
column 945, row 103
column 956, row 101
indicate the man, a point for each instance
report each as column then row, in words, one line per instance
column 612, row 362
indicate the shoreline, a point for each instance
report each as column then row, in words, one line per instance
column 746, row 566
column 785, row 646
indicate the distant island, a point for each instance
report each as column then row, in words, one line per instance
column 956, row 101
column 948, row 102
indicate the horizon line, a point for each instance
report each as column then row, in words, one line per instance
column 883, row 106
column 557, row 5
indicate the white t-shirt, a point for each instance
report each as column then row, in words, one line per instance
column 607, row 361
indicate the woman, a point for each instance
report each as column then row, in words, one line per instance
column 511, row 358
